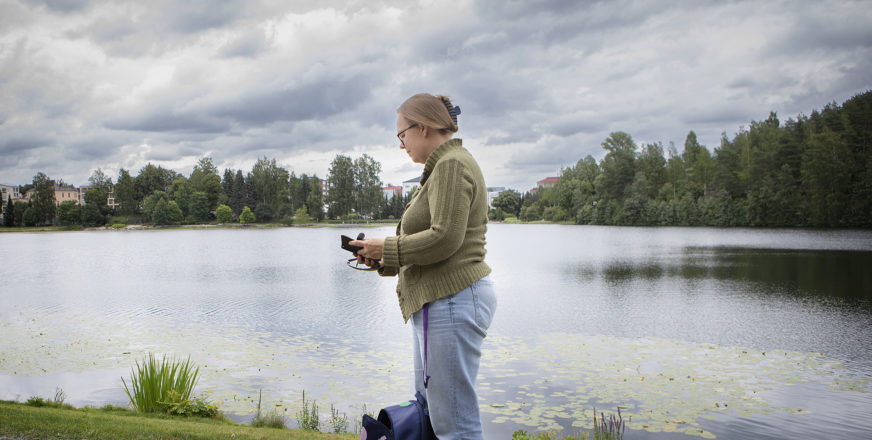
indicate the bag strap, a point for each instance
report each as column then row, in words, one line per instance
column 426, row 318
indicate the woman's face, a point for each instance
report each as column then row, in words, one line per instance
column 412, row 140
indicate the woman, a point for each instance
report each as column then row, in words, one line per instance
column 438, row 253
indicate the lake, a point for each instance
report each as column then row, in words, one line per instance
column 693, row 332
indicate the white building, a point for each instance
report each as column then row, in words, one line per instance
column 411, row 184
column 492, row 194
column 9, row 190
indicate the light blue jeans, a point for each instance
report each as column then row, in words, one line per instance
column 457, row 327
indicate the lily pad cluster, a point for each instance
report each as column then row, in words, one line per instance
column 550, row 381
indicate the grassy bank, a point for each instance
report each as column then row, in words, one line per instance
column 19, row 420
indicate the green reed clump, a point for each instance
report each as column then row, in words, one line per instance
column 162, row 386
column 57, row 402
column 270, row 420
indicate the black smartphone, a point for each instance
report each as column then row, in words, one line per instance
column 353, row 249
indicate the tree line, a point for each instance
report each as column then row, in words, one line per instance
column 812, row 171
column 267, row 193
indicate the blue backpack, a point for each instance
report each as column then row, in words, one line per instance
column 406, row 421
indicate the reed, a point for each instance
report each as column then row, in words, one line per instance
column 271, row 419
column 153, row 384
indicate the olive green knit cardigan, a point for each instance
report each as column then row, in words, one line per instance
column 439, row 247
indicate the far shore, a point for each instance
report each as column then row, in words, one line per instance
column 144, row 227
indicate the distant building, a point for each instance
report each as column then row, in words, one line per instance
column 325, row 188
column 110, row 199
column 62, row 194
column 411, row 184
column 493, row 193
column 392, row 190
column 547, row 182
column 9, row 190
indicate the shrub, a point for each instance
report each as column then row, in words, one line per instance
column 246, row 216
column 160, row 387
column 196, row 407
column 301, row 216
column 223, row 213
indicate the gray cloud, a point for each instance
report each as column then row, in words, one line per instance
column 320, row 99
column 64, row 6
column 250, row 44
column 541, row 83
column 164, row 120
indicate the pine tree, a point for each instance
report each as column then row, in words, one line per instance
column 9, row 213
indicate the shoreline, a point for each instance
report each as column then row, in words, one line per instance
column 145, row 227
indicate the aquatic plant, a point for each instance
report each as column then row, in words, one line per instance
column 307, row 418
column 270, row 420
column 60, row 396
column 546, row 435
column 338, row 421
column 156, row 386
column 613, row 429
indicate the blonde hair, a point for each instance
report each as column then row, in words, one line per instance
column 433, row 111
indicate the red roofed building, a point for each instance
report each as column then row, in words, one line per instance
column 547, row 182
column 392, row 190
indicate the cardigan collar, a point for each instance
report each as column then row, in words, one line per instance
column 439, row 152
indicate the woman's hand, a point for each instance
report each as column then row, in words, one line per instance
column 371, row 254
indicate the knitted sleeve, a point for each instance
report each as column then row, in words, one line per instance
column 450, row 196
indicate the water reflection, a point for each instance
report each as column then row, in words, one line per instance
column 838, row 273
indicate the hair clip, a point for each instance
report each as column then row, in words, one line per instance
column 453, row 110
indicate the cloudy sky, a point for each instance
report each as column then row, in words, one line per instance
column 94, row 84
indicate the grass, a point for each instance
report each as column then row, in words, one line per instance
column 34, row 228
column 21, row 420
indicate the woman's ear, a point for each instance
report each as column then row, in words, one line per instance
column 425, row 130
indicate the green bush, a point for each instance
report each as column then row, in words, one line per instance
column 246, row 216
column 223, row 213
column 196, row 407
column 301, row 216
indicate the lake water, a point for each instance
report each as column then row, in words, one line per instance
column 693, row 332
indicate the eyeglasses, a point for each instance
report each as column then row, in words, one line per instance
column 401, row 133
